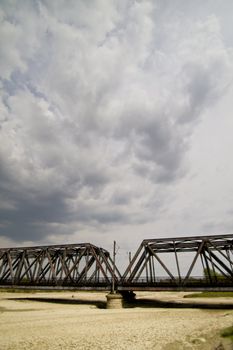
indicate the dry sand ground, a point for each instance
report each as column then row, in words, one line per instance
column 81, row 323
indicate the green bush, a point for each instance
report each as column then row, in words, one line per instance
column 227, row 333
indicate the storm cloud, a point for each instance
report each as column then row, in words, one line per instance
column 99, row 103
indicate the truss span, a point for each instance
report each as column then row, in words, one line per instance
column 70, row 265
column 158, row 264
column 183, row 263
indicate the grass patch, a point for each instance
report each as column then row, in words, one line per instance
column 227, row 333
column 210, row 295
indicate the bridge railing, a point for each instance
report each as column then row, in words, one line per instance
column 142, row 282
column 163, row 281
column 101, row 282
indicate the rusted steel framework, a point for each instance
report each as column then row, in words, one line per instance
column 76, row 265
column 159, row 264
column 212, row 253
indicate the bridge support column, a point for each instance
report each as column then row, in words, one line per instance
column 114, row 301
column 120, row 299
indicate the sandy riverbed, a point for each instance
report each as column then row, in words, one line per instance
column 78, row 320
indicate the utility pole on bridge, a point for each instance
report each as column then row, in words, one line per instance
column 114, row 267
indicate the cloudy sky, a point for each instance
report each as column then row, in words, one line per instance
column 115, row 120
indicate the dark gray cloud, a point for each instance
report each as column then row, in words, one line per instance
column 98, row 104
column 29, row 218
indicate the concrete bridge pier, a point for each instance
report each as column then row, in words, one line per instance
column 114, row 301
column 119, row 300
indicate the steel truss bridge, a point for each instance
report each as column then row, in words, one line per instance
column 158, row 264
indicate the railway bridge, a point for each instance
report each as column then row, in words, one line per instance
column 158, row 264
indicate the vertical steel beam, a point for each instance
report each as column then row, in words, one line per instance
column 161, row 263
column 194, row 261
column 177, row 262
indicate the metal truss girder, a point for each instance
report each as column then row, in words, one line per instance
column 71, row 264
column 200, row 245
column 85, row 264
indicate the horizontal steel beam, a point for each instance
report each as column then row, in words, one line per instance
column 188, row 238
column 62, row 247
